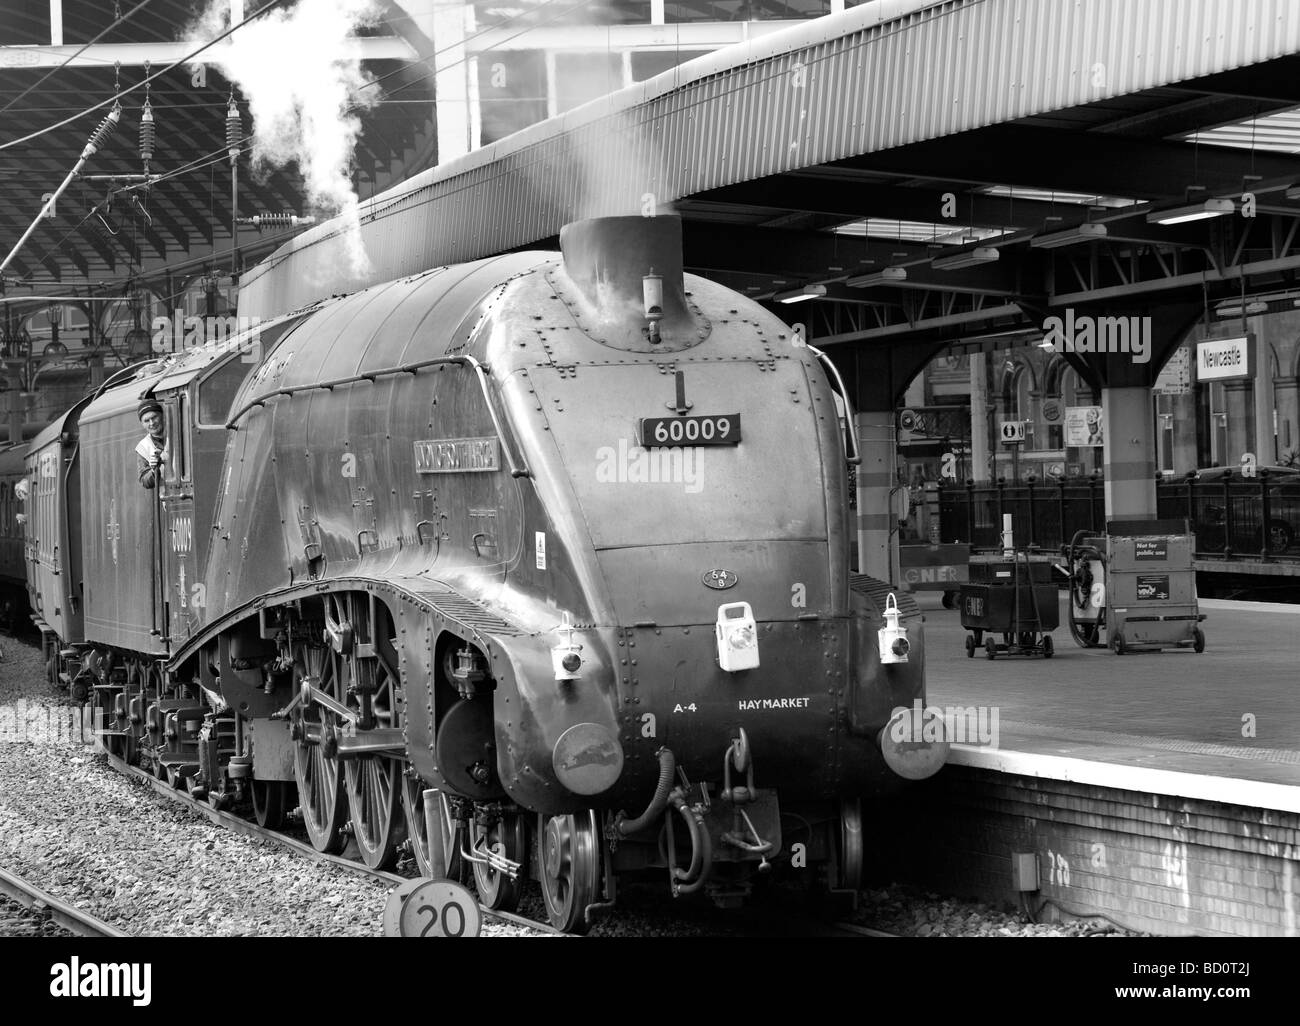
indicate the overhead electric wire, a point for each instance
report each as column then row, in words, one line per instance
column 216, row 156
column 120, row 21
column 130, row 89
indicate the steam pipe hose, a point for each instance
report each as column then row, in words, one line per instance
column 667, row 766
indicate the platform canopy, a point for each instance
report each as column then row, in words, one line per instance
column 937, row 170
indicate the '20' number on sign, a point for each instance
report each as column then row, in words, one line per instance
column 448, row 925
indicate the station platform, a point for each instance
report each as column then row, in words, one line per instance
column 1157, row 792
column 1172, row 711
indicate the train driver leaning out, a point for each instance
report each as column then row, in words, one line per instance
column 152, row 452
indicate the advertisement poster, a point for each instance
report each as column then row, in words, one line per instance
column 1082, row 425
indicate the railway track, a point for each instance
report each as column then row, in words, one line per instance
column 239, row 825
column 67, row 916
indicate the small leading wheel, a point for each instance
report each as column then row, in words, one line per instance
column 416, row 825
column 507, row 837
column 970, row 646
column 1117, row 643
column 446, row 839
column 990, row 647
column 849, row 846
column 1198, row 640
column 1048, row 649
column 271, row 800
column 568, row 858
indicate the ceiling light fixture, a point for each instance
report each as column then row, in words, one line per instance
column 885, row 276
column 970, row 258
column 1089, row 231
column 799, row 295
column 1235, row 309
column 1192, row 212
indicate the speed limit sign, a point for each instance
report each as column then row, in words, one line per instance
column 1013, row 431
column 432, row 908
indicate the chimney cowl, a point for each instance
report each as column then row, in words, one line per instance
column 608, row 261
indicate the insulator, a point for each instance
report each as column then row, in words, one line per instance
column 234, row 130
column 102, row 132
column 146, row 133
column 260, row 221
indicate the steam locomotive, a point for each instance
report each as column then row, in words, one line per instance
column 536, row 566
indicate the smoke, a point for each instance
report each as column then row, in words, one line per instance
column 302, row 78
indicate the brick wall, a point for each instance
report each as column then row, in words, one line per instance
column 1160, row 864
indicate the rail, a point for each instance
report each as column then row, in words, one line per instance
column 248, row 829
column 83, row 924
column 1233, row 517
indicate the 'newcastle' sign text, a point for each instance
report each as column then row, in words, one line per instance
column 1224, row 358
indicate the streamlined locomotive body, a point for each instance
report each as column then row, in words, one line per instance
column 535, row 565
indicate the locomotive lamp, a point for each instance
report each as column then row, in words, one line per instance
column 737, row 636
column 894, row 645
column 652, row 291
column 566, row 657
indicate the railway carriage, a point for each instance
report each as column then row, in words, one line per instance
column 534, row 566
column 13, row 485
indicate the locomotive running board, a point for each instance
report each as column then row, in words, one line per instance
column 463, row 615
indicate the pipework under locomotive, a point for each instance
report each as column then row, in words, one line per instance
column 531, row 566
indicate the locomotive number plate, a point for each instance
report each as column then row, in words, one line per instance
column 719, row 429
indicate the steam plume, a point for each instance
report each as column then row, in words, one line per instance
column 302, row 78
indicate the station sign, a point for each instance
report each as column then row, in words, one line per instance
column 1013, row 431
column 1175, row 378
column 1225, row 359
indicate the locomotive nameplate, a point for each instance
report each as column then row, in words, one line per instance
column 457, row 455
column 717, row 429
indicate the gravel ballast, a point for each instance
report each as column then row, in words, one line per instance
column 111, row 846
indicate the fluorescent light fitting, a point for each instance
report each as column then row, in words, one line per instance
column 1235, row 309
column 1086, row 232
column 1293, row 193
column 885, row 276
column 1192, row 212
column 799, row 295
column 970, row 258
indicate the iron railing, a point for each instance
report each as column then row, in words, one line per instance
column 1227, row 514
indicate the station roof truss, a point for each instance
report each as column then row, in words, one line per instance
column 109, row 229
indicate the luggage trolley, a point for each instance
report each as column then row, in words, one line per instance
column 1138, row 583
column 1014, row 597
